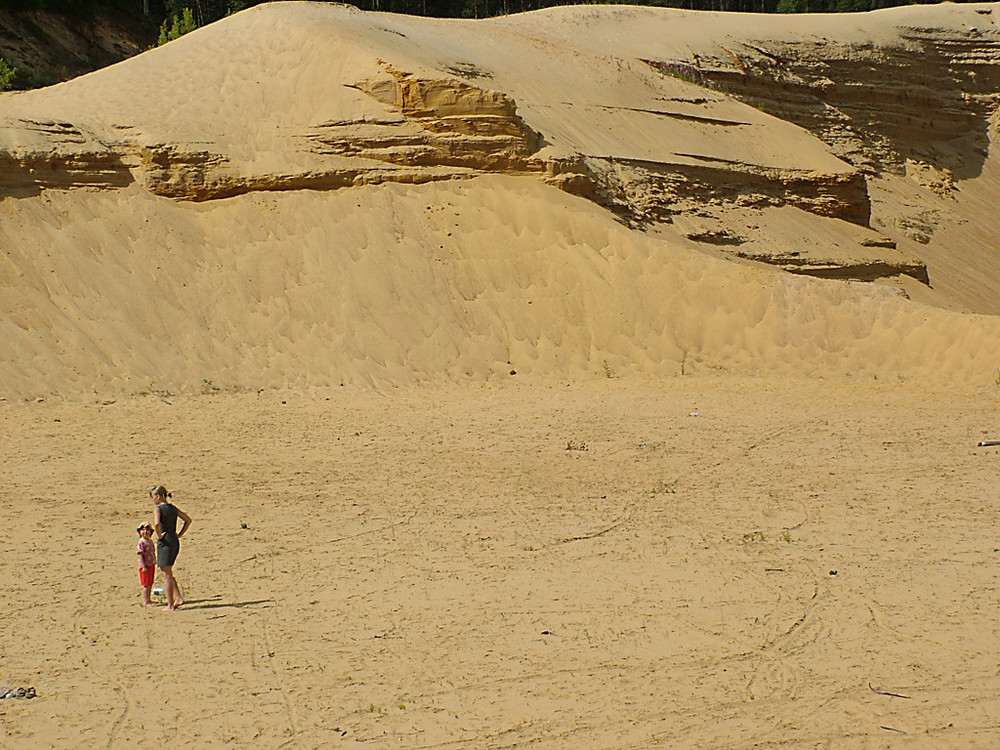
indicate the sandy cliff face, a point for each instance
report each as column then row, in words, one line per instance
column 744, row 138
column 917, row 109
column 748, row 120
column 906, row 96
column 431, row 130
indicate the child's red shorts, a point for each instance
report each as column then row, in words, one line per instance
column 146, row 575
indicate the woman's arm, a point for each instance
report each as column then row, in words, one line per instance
column 187, row 522
column 156, row 522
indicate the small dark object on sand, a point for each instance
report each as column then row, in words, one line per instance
column 17, row 692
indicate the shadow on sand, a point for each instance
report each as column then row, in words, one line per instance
column 215, row 602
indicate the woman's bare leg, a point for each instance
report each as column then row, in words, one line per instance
column 169, row 586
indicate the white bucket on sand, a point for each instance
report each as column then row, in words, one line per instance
column 157, row 590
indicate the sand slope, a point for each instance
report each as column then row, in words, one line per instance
column 393, row 199
column 468, row 280
column 394, row 209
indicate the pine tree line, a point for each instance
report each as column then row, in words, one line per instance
column 171, row 14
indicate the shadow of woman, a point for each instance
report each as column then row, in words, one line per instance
column 216, row 602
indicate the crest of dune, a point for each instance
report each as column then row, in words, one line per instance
column 309, row 194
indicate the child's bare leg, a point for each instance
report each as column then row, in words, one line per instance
column 146, row 591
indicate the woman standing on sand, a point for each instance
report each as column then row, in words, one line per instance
column 168, row 541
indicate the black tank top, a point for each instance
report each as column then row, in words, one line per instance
column 168, row 519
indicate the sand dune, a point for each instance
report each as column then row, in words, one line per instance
column 457, row 281
column 377, row 199
column 113, row 287
column 599, row 377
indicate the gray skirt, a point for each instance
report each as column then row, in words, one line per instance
column 166, row 550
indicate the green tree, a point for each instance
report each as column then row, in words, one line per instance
column 7, row 74
column 175, row 27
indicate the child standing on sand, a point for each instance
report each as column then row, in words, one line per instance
column 146, row 553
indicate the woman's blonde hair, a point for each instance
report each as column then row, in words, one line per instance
column 159, row 491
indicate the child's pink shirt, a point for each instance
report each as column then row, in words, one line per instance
column 146, row 553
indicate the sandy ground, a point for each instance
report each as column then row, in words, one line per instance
column 472, row 463
column 702, row 561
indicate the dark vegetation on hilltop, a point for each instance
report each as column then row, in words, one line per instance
column 34, row 50
column 206, row 11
